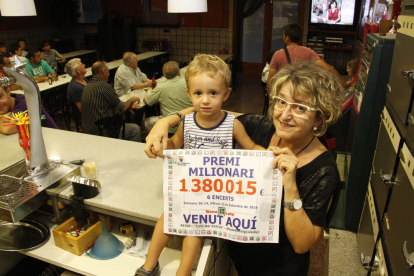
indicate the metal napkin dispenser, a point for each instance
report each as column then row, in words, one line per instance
column 85, row 187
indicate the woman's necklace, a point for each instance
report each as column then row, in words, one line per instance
column 305, row 147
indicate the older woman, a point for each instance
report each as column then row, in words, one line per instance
column 306, row 100
column 333, row 14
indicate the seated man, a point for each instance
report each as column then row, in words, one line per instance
column 76, row 69
column 171, row 95
column 128, row 76
column 51, row 56
column 36, row 67
column 99, row 100
column 22, row 42
column 17, row 104
column 16, row 51
column 5, row 62
column 3, row 49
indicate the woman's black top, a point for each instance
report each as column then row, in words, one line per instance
column 318, row 181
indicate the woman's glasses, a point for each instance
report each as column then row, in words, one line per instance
column 298, row 110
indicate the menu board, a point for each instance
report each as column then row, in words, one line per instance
column 230, row 194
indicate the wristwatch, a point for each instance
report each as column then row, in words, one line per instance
column 295, row 205
column 179, row 114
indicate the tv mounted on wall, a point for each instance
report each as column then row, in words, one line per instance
column 334, row 14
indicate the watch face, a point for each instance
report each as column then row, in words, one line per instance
column 297, row 204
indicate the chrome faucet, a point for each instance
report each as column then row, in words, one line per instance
column 19, row 75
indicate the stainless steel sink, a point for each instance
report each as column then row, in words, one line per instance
column 21, row 194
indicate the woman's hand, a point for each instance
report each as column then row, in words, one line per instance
column 156, row 140
column 287, row 163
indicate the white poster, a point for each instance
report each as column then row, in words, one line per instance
column 230, row 194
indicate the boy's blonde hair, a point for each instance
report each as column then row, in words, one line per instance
column 211, row 65
column 322, row 89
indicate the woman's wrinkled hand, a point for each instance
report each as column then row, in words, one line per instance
column 156, row 140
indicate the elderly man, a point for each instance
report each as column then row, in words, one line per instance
column 128, row 76
column 5, row 62
column 171, row 95
column 36, row 67
column 99, row 100
column 76, row 69
column 17, row 104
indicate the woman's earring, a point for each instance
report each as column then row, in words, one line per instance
column 315, row 128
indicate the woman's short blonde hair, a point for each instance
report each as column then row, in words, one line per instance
column 211, row 65
column 323, row 90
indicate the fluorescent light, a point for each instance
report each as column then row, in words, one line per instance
column 186, row 6
column 17, row 8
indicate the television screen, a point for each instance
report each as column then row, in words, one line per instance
column 333, row 12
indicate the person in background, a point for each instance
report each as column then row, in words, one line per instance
column 171, row 95
column 51, row 56
column 3, row 49
column 5, row 62
column 208, row 86
column 306, row 100
column 266, row 69
column 76, row 69
column 351, row 69
column 16, row 51
column 22, row 42
column 18, row 104
column 292, row 32
column 129, row 76
column 333, row 14
column 38, row 68
column 99, row 100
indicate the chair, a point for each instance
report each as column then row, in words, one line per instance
column 266, row 99
column 111, row 126
column 54, row 101
column 72, row 109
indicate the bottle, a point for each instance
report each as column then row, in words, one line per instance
column 390, row 9
column 154, row 83
column 50, row 78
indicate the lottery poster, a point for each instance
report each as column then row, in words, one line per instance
column 229, row 194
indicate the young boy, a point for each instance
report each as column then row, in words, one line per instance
column 208, row 80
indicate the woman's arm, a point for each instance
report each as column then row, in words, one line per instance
column 339, row 16
column 301, row 232
column 157, row 139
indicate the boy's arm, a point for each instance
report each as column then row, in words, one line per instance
column 239, row 133
column 177, row 140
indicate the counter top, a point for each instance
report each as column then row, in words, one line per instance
column 131, row 182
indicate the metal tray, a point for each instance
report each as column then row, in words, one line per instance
column 26, row 234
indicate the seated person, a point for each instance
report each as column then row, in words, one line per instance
column 170, row 94
column 351, row 69
column 17, row 104
column 99, row 100
column 266, row 69
column 3, row 49
column 16, row 51
column 333, row 14
column 22, row 42
column 51, row 56
column 76, row 69
column 128, row 76
column 5, row 62
column 36, row 67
